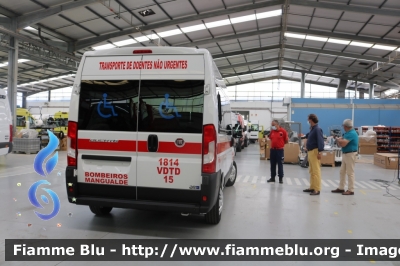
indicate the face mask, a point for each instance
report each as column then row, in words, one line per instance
column 308, row 122
column 273, row 127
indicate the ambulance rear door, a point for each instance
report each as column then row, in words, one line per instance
column 169, row 160
column 107, row 126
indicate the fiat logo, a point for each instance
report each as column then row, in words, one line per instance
column 179, row 143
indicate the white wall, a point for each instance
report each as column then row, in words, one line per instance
column 50, row 109
column 261, row 111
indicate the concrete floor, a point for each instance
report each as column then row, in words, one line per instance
column 253, row 209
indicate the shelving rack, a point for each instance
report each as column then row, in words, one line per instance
column 388, row 139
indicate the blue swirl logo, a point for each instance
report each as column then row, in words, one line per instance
column 36, row 203
column 43, row 168
column 43, row 154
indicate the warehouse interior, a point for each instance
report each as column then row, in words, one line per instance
column 280, row 60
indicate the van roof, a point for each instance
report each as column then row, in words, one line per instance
column 3, row 92
column 154, row 49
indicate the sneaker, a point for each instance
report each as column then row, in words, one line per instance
column 280, row 181
column 271, row 180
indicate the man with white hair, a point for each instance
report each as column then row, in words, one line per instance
column 349, row 144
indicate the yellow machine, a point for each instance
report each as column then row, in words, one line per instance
column 23, row 115
column 61, row 120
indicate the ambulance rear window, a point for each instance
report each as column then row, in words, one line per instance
column 174, row 106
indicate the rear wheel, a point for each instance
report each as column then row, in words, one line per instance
column 99, row 210
column 252, row 141
column 214, row 215
column 232, row 176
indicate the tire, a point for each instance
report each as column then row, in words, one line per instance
column 232, row 177
column 214, row 215
column 238, row 147
column 99, row 210
column 252, row 141
column 246, row 142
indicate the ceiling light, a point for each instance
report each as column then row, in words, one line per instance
column 142, row 39
column 218, row 23
column 344, row 42
column 361, row 44
column 314, row 38
column 146, row 12
column 3, row 64
column 193, row 28
column 30, row 28
column 22, row 60
column 104, row 47
column 269, row 14
column 384, row 47
column 243, row 19
column 152, row 36
column 125, row 42
column 292, row 35
column 169, row 33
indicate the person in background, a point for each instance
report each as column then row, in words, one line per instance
column 315, row 145
column 279, row 138
column 349, row 144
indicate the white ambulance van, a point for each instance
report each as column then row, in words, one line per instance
column 6, row 127
column 148, row 129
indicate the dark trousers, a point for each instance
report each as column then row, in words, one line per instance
column 276, row 157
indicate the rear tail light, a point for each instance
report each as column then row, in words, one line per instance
column 72, row 143
column 11, row 133
column 209, row 149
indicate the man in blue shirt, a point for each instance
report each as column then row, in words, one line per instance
column 349, row 144
column 315, row 145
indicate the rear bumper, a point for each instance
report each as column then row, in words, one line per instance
column 8, row 145
column 144, row 198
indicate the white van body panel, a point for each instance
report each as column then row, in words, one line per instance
column 5, row 122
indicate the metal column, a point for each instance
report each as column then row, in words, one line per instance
column 24, row 96
column 49, row 96
column 371, row 90
column 13, row 74
column 303, row 84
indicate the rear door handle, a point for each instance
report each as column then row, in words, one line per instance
column 152, row 143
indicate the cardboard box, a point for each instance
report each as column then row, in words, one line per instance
column 368, row 150
column 292, row 152
column 63, row 144
column 386, row 160
column 328, row 157
column 367, row 141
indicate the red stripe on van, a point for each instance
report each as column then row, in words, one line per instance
column 170, row 147
column 121, row 145
column 223, row 146
column 130, row 145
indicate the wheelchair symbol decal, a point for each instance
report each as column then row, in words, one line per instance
column 167, row 107
column 106, row 106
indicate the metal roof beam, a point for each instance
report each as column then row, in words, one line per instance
column 25, row 70
column 305, row 49
column 6, row 12
column 340, row 54
column 5, row 21
column 353, row 37
column 340, row 76
column 249, row 72
column 231, row 37
column 349, row 8
column 91, row 41
column 35, row 17
column 282, row 77
column 247, row 51
column 259, row 62
column 351, row 69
